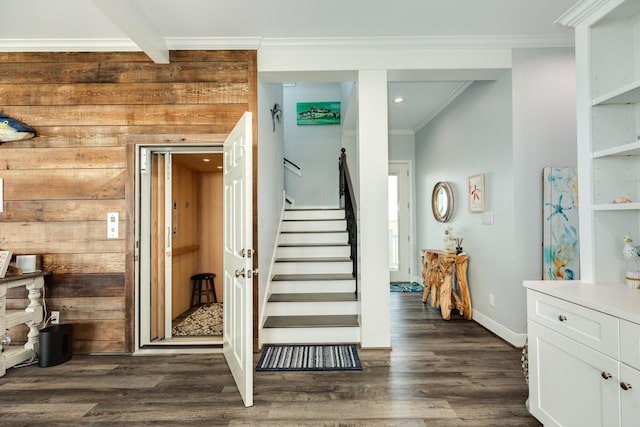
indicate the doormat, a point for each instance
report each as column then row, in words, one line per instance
column 343, row 357
column 406, row 287
column 205, row 321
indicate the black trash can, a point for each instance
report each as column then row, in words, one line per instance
column 55, row 345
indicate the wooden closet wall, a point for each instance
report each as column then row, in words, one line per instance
column 89, row 109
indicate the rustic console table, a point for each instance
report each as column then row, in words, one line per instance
column 11, row 355
column 441, row 271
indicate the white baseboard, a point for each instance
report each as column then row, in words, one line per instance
column 516, row 340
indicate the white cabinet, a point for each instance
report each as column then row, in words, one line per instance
column 630, row 373
column 584, row 358
column 608, row 112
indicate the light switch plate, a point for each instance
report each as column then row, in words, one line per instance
column 112, row 225
column 487, row 218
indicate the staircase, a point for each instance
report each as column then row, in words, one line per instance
column 313, row 291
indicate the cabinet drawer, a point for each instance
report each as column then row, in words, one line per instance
column 630, row 344
column 589, row 327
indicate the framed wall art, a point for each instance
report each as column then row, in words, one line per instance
column 476, row 193
column 318, row 113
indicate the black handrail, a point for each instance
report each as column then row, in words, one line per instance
column 348, row 202
column 291, row 163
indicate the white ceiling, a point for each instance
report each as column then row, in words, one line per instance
column 156, row 26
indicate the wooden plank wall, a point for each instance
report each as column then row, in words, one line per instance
column 59, row 186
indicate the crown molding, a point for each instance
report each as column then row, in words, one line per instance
column 214, row 43
column 427, row 42
column 258, row 43
column 125, row 44
column 579, row 12
column 401, row 132
column 68, row 45
column 453, row 95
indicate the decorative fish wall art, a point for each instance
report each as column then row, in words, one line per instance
column 14, row 130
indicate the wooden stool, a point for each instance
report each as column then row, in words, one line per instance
column 203, row 284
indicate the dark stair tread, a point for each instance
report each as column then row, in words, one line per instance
column 313, row 231
column 310, row 245
column 313, row 219
column 319, row 259
column 314, row 297
column 320, row 321
column 313, row 209
column 306, row 277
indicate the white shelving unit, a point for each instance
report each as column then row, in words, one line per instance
column 608, row 111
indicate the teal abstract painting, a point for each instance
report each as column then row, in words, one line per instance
column 561, row 243
column 318, row 113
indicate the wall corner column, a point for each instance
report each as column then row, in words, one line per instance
column 373, row 239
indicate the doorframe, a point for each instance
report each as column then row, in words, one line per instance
column 183, row 346
column 411, row 215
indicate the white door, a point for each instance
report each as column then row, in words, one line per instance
column 155, row 250
column 238, row 257
column 399, row 223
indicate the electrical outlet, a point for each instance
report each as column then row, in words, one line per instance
column 492, row 302
column 55, row 317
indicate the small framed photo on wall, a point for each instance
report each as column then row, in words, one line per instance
column 476, row 193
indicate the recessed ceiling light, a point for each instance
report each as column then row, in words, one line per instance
column 206, row 160
column 398, row 100
column 219, row 167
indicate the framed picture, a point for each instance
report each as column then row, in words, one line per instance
column 5, row 259
column 476, row 193
column 318, row 113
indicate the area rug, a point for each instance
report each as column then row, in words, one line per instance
column 343, row 357
column 205, row 321
column 406, row 287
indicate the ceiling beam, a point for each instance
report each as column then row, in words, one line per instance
column 134, row 23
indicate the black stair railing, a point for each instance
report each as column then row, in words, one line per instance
column 348, row 202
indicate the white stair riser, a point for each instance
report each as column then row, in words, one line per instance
column 308, row 308
column 334, row 225
column 314, row 214
column 314, row 238
column 313, row 286
column 342, row 251
column 303, row 267
column 310, row 335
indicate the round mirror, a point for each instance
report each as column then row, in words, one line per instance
column 442, row 201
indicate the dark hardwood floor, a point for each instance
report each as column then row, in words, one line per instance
column 438, row 373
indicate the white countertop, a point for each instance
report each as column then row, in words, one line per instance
column 616, row 300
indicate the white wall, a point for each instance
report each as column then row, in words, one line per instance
column 509, row 130
column 270, row 184
column 471, row 136
column 373, row 215
column 314, row 148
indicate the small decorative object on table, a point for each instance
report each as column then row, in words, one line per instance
column 458, row 241
column 630, row 252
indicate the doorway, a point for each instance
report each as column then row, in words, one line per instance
column 399, row 222
column 180, row 217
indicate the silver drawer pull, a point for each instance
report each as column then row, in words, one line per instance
column 625, row 386
column 562, row 318
column 606, row 375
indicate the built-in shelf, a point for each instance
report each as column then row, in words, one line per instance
column 617, row 207
column 627, row 94
column 631, row 149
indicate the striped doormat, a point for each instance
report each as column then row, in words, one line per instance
column 343, row 357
